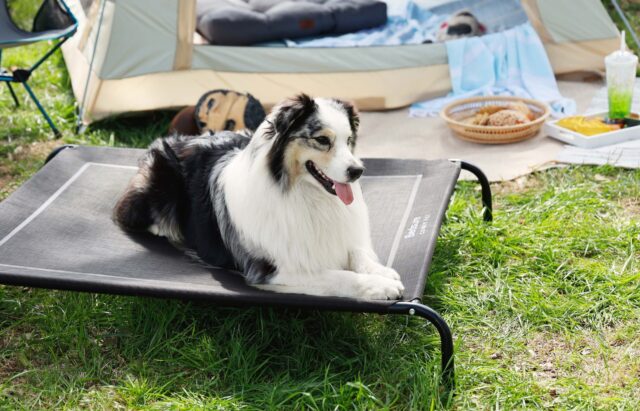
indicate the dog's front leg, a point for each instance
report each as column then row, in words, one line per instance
column 336, row 283
column 362, row 260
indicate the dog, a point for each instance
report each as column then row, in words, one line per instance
column 282, row 206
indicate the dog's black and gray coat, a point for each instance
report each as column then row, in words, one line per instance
column 177, row 191
column 173, row 191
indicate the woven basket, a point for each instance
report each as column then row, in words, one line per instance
column 456, row 112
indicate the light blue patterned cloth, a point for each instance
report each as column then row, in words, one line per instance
column 416, row 22
column 510, row 63
column 407, row 23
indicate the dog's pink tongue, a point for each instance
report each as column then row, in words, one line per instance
column 344, row 192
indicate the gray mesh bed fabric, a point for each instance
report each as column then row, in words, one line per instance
column 56, row 232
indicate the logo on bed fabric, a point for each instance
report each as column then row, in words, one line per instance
column 307, row 24
column 418, row 226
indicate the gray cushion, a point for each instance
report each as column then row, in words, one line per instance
column 244, row 22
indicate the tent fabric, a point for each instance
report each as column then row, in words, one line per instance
column 321, row 60
column 122, row 41
column 56, row 232
column 586, row 23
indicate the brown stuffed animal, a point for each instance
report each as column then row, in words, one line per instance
column 184, row 123
column 219, row 110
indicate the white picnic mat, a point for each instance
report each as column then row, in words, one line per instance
column 395, row 134
column 626, row 155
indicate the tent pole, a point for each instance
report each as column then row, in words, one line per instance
column 80, row 127
column 626, row 22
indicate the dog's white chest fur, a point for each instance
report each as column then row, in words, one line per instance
column 302, row 230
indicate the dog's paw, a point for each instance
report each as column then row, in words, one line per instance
column 386, row 272
column 375, row 287
column 375, row 268
column 154, row 229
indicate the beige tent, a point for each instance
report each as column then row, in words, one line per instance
column 144, row 55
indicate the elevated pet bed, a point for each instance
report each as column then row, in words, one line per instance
column 56, row 232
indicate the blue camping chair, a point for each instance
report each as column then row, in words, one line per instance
column 54, row 21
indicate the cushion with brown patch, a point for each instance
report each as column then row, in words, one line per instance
column 244, row 22
column 219, row 110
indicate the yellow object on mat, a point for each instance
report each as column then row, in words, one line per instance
column 587, row 126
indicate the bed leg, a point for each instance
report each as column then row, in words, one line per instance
column 446, row 339
column 486, row 189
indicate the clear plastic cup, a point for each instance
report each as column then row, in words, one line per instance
column 621, row 75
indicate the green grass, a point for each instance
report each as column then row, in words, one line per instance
column 544, row 304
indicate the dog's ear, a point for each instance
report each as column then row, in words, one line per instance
column 291, row 114
column 352, row 113
column 287, row 117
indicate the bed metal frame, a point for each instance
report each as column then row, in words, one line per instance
column 416, row 307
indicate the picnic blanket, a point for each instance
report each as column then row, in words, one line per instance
column 512, row 62
column 625, row 155
column 417, row 22
column 393, row 134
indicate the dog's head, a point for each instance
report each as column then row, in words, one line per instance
column 313, row 142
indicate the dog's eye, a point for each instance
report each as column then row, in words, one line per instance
column 322, row 140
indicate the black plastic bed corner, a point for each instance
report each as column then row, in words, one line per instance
column 487, row 204
column 57, row 151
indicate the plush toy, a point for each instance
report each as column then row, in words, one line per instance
column 462, row 24
column 219, row 110
column 184, row 123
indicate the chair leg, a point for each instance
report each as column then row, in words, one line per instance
column 13, row 94
column 446, row 339
column 56, row 132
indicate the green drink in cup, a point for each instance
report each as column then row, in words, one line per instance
column 621, row 75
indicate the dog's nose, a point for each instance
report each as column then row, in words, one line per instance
column 354, row 172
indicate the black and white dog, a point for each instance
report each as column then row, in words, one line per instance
column 283, row 206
